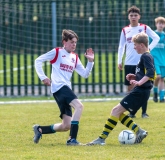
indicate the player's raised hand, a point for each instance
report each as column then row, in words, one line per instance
column 89, row 54
column 47, row 82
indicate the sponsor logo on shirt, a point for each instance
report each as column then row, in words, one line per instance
column 66, row 67
column 130, row 109
column 63, row 55
column 73, row 60
column 137, row 70
column 129, row 39
column 140, row 30
column 128, row 32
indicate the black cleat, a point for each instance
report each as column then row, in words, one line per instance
column 37, row 134
column 155, row 97
column 73, row 142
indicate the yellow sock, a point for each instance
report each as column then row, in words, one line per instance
column 109, row 126
column 128, row 122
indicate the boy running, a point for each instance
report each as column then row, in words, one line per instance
column 142, row 82
column 132, row 57
column 159, row 60
column 64, row 61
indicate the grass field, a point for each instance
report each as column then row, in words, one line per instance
column 30, row 74
column 16, row 134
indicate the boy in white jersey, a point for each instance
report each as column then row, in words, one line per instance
column 132, row 57
column 159, row 60
column 64, row 62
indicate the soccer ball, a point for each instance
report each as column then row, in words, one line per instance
column 127, row 137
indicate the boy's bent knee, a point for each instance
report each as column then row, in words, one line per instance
column 80, row 106
column 77, row 104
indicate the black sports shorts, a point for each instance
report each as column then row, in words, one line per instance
column 129, row 69
column 135, row 99
column 63, row 97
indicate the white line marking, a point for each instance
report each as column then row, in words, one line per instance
column 53, row 101
column 21, row 68
column 15, row 69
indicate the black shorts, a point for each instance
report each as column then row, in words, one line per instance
column 129, row 69
column 135, row 99
column 63, row 98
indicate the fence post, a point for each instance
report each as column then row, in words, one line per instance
column 106, row 35
column 99, row 46
column 18, row 49
column 113, row 49
column 33, row 31
column 11, row 49
column 92, row 40
column 79, row 50
column 4, row 28
column 86, row 42
column 39, row 44
column 120, row 72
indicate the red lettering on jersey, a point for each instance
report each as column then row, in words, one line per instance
column 66, row 68
column 129, row 39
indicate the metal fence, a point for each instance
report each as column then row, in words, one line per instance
column 29, row 28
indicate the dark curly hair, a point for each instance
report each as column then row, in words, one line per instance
column 133, row 9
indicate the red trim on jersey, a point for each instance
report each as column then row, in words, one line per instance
column 145, row 27
column 124, row 29
column 76, row 58
column 56, row 56
column 141, row 24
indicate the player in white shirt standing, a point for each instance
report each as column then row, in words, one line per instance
column 126, row 45
column 64, row 62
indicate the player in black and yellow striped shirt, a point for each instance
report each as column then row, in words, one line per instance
column 142, row 81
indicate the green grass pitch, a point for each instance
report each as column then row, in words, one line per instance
column 16, row 134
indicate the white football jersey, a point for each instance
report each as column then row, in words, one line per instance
column 126, row 44
column 63, row 65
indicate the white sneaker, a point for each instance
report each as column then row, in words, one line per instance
column 140, row 135
column 98, row 141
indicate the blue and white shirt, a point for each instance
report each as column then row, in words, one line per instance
column 158, row 52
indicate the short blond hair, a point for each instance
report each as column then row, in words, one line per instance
column 159, row 20
column 141, row 38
